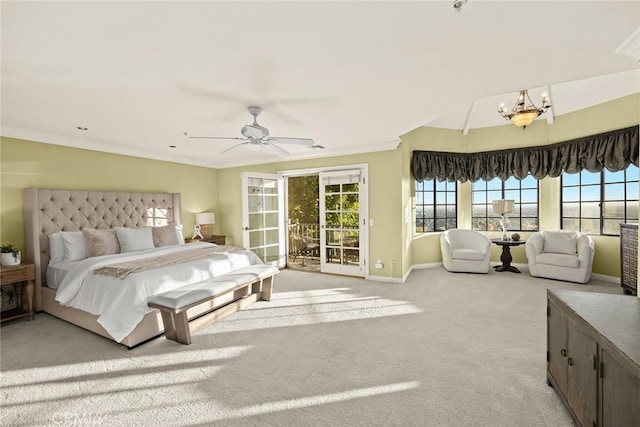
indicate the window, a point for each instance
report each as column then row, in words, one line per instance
column 524, row 193
column 598, row 202
column 157, row 217
column 436, row 207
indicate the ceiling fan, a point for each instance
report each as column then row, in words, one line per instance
column 254, row 134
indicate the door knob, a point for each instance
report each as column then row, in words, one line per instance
column 570, row 361
column 563, row 352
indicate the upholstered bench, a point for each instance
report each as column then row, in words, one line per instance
column 247, row 284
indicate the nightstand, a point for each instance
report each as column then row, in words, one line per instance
column 18, row 275
column 218, row 240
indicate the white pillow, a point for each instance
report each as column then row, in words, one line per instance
column 179, row 234
column 134, row 239
column 56, row 248
column 75, row 248
column 560, row 242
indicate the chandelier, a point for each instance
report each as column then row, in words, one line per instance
column 522, row 115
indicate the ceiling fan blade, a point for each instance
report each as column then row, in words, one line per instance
column 297, row 141
column 234, row 147
column 280, row 152
column 279, row 113
column 216, row 137
column 212, row 94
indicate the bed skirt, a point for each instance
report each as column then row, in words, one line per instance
column 150, row 327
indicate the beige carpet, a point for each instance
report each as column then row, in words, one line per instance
column 442, row 349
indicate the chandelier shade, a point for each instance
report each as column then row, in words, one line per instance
column 522, row 115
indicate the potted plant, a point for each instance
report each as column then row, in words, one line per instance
column 10, row 255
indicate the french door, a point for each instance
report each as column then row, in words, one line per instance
column 342, row 222
column 262, row 217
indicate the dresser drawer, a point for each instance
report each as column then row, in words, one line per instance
column 16, row 274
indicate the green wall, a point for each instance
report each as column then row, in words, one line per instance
column 385, row 201
column 616, row 114
column 391, row 186
column 31, row 164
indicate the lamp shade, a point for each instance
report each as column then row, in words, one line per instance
column 503, row 206
column 205, row 218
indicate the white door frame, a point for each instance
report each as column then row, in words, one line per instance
column 364, row 201
column 282, row 255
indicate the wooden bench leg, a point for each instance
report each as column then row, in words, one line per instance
column 182, row 335
column 240, row 293
column 267, row 286
column 256, row 287
column 169, row 325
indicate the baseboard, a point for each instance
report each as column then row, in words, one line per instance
column 406, row 274
column 428, row 265
column 606, row 278
column 386, row 279
column 603, row 277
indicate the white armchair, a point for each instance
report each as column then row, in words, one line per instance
column 466, row 251
column 560, row 255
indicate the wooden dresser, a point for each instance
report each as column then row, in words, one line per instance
column 593, row 356
column 629, row 258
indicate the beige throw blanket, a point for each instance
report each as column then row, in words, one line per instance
column 122, row 270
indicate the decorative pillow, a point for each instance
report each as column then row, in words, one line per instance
column 101, row 242
column 56, row 248
column 134, row 239
column 75, row 248
column 560, row 242
column 164, row 236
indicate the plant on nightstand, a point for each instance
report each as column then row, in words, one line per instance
column 10, row 255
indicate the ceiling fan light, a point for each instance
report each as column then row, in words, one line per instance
column 254, row 134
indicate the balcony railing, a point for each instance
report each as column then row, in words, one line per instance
column 311, row 231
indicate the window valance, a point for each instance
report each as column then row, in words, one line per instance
column 613, row 150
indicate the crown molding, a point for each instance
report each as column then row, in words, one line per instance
column 107, row 147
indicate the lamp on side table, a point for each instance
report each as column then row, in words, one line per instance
column 204, row 221
column 504, row 207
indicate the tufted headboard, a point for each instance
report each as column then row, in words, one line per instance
column 47, row 211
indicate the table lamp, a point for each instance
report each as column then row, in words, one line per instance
column 204, row 221
column 503, row 207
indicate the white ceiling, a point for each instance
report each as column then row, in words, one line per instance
column 353, row 76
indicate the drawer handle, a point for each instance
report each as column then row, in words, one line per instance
column 563, row 352
column 570, row 361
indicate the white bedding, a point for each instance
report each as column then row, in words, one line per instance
column 121, row 304
column 57, row 271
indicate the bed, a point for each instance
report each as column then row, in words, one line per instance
column 97, row 302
